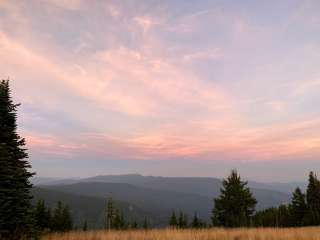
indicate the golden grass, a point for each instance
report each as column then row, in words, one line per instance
column 312, row 233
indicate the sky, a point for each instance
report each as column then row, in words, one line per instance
column 166, row 87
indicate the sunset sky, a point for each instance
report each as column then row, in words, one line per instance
column 166, row 87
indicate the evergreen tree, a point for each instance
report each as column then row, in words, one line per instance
column 298, row 208
column 304, row 209
column 284, row 218
column 266, row 218
column 15, row 207
column 41, row 217
column 118, row 221
column 67, row 219
column 274, row 217
column 196, row 222
column 114, row 218
column 235, row 205
column 313, row 200
column 180, row 220
column 173, row 220
column 183, row 220
column 49, row 218
column 110, row 214
column 61, row 219
column 57, row 218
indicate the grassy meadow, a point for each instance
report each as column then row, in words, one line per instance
column 310, row 233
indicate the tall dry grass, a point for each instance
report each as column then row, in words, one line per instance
column 312, row 233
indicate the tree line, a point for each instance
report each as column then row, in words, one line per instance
column 182, row 221
column 58, row 219
column 235, row 207
column 304, row 209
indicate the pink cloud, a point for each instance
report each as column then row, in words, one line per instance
column 179, row 113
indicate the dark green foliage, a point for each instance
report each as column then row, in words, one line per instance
column 284, row 218
column 182, row 220
column 119, row 222
column 236, row 205
column 196, row 221
column 67, row 219
column 42, row 216
column 114, row 217
column 266, row 218
column 173, row 220
column 110, row 214
column 91, row 209
column 61, row 218
column 299, row 208
column 313, row 200
column 15, row 207
column 304, row 209
column 274, row 217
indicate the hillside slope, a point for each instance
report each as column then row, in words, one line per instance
column 208, row 187
column 89, row 208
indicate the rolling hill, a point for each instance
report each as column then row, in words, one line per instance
column 140, row 196
column 209, row 187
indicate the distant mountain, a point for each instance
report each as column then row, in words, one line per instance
column 202, row 186
column 198, row 184
column 209, row 187
column 288, row 187
column 43, row 181
column 154, row 197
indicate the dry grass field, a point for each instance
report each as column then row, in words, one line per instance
column 207, row 234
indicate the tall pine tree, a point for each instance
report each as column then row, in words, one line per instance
column 313, row 200
column 298, row 208
column 15, row 206
column 109, row 214
column 41, row 216
column 196, row 222
column 235, row 205
column 173, row 220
